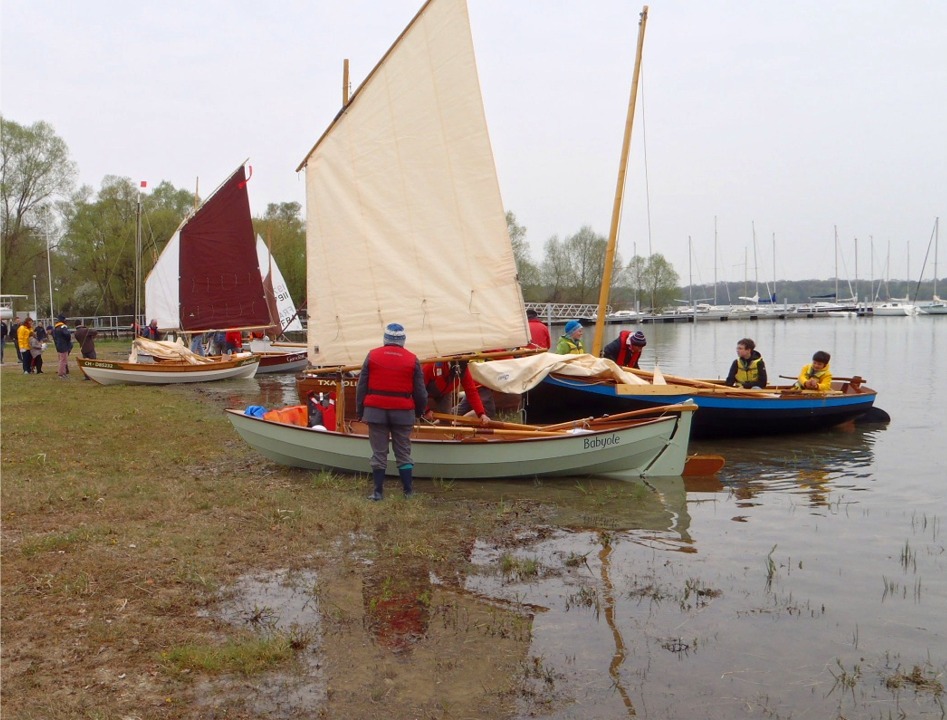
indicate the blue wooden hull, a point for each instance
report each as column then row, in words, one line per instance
column 558, row 398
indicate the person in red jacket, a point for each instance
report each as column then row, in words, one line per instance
column 389, row 396
column 625, row 350
column 233, row 342
column 538, row 332
column 441, row 380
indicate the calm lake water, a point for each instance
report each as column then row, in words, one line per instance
column 808, row 580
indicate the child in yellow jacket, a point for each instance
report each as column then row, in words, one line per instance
column 816, row 375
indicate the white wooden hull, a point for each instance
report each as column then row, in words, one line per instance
column 110, row 372
column 653, row 448
column 278, row 362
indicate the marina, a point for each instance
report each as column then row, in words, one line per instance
column 662, row 516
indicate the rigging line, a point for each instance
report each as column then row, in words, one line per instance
column 151, row 237
column 647, row 183
column 920, row 278
column 111, row 270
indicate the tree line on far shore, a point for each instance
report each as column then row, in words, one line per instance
column 90, row 236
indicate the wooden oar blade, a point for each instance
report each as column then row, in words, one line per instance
column 703, row 465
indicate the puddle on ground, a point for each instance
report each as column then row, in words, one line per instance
column 278, row 601
column 396, row 598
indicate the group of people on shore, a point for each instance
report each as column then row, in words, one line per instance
column 31, row 340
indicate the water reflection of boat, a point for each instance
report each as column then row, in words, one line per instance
column 656, row 506
column 813, row 465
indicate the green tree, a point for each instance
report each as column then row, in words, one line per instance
column 526, row 269
column 163, row 210
column 282, row 228
column 35, row 170
column 658, row 281
column 573, row 269
column 99, row 243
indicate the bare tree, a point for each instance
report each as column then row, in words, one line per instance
column 34, row 171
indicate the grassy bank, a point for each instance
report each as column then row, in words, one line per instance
column 130, row 514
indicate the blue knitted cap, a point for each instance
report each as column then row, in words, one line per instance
column 572, row 326
column 394, row 334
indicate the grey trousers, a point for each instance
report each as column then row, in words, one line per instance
column 378, row 434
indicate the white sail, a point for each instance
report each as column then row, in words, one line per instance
column 285, row 307
column 162, row 301
column 404, row 217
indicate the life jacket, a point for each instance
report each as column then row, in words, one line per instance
column 809, row 373
column 575, row 347
column 321, row 410
column 292, row 415
column 627, row 356
column 439, row 379
column 748, row 371
column 391, row 378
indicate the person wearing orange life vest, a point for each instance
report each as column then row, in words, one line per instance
column 441, row 380
column 389, row 396
column 625, row 350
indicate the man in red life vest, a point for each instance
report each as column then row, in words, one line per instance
column 441, row 380
column 538, row 332
column 625, row 350
column 389, row 396
column 233, row 342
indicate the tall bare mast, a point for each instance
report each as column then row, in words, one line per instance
column 345, row 82
column 836, row 262
column 715, row 261
column 604, row 291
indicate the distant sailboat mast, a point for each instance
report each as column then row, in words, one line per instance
column 836, row 262
column 715, row 260
column 936, row 243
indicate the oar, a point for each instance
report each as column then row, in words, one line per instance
column 658, row 410
column 672, row 378
column 703, row 465
column 475, row 422
column 488, row 431
column 856, row 378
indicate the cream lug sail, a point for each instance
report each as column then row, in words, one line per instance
column 404, row 217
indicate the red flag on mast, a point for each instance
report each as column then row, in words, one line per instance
column 144, row 183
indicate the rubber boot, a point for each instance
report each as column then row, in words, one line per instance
column 378, row 476
column 405, row 473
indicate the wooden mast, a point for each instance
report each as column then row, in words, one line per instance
column 597, row 340
column 345, row 82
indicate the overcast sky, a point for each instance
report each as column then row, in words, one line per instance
column 793, row 117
